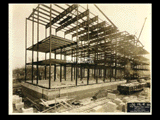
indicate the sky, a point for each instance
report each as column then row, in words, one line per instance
column 127, row 17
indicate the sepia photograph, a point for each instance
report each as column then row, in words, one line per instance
column 80, row 59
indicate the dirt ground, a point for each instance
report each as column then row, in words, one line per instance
column 141, row 96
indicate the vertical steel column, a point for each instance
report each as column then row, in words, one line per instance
column 81, row 72
column 80, row 63
column 116, row 58
column 55, row 66
column 65, row 66
column 25, row 49
column 124, row 56
column 32, row 45
column 72, row 66
column 104, row 72
column 61, row 67
column 50, row 48
column 77, row 48
column 96, row 55
column 111, row 59
column 45, row 67
column 37, row 44
column 45, row 55
column 88, row 45
column 94, row 72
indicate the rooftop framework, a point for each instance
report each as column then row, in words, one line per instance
column 95, row 44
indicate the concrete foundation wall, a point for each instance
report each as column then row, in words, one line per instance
column 79, row 92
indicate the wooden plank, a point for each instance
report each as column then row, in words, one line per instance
column 35, row 104
column 63, row 105
column 67, row 103
column 44, row 103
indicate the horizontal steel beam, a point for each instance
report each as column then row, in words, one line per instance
column 81, row 25
column 94, row 35
column 80, row 16
column 61, row 15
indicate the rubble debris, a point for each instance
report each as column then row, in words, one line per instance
column 16, row 99
column 28, row 110
column 100, row 94
column 76, row 103
column 117, row 101
column 110, row 107
column 125, row 99
column 98, row 109
column 121, row 107
column 19, row 106
column 111, row 96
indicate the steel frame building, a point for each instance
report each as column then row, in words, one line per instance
column 92, row 39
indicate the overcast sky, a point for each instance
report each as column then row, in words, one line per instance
column 127, row 17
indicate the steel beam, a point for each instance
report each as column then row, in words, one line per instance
column 55, row 66
column 77, row 18
column 61, row 67
column 25, row 49
column 81, row 25
column 50, row 48
column 65, row 68
column 88, row 70
column 105, row 16
column 61, row 15
column 37, row 46
column 73, row 20
column 32, row 45
column 72, row 67
column 45, row 55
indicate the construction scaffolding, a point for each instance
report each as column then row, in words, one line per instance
column 96, row 46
